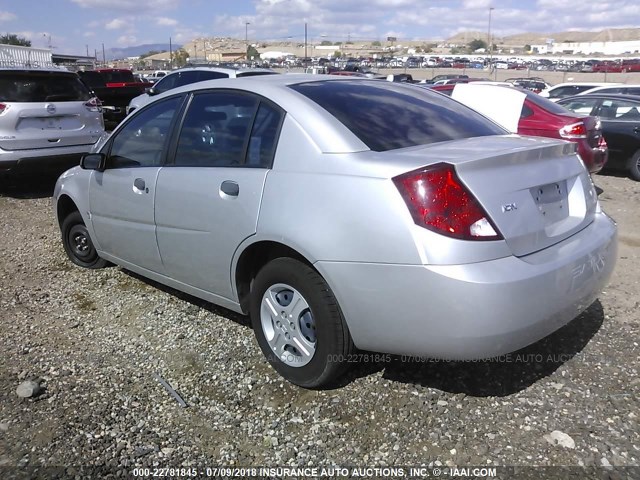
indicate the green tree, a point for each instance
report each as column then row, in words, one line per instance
column 13, row 39
column 376, row 44
column 326, row 43
column 527, row 48
column 180, row 57
column 252, row 53
column 337, row 54
column 477, row 44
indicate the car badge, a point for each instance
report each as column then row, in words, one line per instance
column 51, row 108
column 509, row 207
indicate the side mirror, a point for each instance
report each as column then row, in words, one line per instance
column 93, row 161
column 151, row 91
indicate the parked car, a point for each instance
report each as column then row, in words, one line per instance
column 620, row 117
column 607, row 66
column 614, row 89
column 438, row 78
column 526, row 113
column 536, row 85
column 48, row 119
column 115, row 87
column 438, row 233
column 571, row 88
column 186, row 76
column 631, row 65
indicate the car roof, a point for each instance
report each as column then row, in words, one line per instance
column 595, row 84
column 304, row 111
column 608, row 96
column 228, row 70
column 36, row 69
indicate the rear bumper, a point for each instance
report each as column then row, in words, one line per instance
column 475, row 310
column 594, row 158
column 47, row 160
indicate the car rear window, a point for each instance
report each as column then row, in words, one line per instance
column 386, row 115
column 546, row 104
column 255, row 74
column 27, row 86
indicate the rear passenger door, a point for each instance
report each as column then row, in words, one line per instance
column 208, row 197
column 621, row 127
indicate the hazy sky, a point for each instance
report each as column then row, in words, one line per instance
column 73, row 25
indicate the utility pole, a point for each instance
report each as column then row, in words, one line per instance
column 489, row 46
column 104, row 57
column 305, row 44
column 170, row 55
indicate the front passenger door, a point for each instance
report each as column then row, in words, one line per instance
column 122, row 197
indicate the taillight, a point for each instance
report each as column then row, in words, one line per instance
column 3, row 107
column 575, row 130
column 94, row 105
column 440, row 202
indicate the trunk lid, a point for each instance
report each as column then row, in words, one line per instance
column 35, row 125
column 536, row 191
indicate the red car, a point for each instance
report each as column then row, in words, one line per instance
column 607, row 66
column 527, row 113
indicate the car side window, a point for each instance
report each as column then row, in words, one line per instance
column 143, row 140
column 167, row 83
column 264, row 136
column 526, row 111
column 584, row 106
column 215, row 130
column 205, row 75
column 620, row 110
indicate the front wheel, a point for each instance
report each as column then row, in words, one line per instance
column 634, row 166
column 298, row 323
column 77, row 242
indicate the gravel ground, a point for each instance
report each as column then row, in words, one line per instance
column 95, row 340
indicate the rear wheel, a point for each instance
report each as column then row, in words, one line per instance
column 298, row 323
column 77, row 242
column 634, row 166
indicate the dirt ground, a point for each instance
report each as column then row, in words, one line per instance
column 97, row 339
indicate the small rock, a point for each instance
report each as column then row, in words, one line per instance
column 443, row 403
column 560, row 438
column 4, row 427
column 28, row 389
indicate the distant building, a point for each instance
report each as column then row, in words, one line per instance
column 588, row 48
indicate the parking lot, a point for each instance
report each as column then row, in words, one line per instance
column 97, row 339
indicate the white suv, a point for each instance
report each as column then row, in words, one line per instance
column 185, row 76
column 48, row 119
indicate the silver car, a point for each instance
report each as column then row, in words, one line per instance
column 344, row 213
column 186, row 76
column 48, row 119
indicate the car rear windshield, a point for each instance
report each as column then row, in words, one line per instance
column 27, row 86
column 547, row 104
column 254, row 74
column 387, row 115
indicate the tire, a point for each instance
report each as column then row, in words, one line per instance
column 77, row 242
column 313, row 348
column 633, row 165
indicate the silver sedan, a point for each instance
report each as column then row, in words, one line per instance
column 344, row 214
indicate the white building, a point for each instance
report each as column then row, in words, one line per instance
column 588, row 48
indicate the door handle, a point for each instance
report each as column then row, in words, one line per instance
column 230, row 188
column 139, row 184
column 636, row 129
